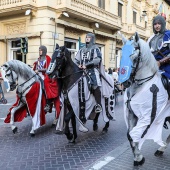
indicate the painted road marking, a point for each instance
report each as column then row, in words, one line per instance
column 98, row 165
column 111, row 156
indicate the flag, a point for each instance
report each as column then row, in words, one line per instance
column 161, row 9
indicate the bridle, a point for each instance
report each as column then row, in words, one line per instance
column 13, row 84
column 60, row 56
column 132, row 77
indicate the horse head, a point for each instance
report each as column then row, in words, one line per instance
column 11, row 76
column 137, row 61
column 58, row 60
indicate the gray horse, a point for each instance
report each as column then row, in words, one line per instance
column 146, row 103
column 30, row 97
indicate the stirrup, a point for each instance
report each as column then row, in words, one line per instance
column 98, row 108
column 47, row 108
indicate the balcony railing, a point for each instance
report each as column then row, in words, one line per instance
column 4, row 4
column 89, row 11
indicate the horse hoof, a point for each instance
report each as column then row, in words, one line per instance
column 72, row 141
column 15, row 130
column 58, row 132
column 104, row 131
column 136, row 163
column 70, row 136
column 32, row 134
column 158, row 153
column 95, row 127
column 53, row 126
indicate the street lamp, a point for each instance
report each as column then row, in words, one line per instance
column 143, row 16
column 65, row 14
column 96, row 25
column 28, row 12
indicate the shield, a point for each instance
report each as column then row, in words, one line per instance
column 125, row 62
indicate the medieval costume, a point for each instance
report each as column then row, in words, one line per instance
column 160, row 45
column 89, row 57
column 50, row 85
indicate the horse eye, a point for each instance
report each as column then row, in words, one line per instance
column 7, row 75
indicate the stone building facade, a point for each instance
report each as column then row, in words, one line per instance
column 66, row 22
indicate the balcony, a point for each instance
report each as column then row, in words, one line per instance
column 86, row 12
column 132, row 28
column 12, row 7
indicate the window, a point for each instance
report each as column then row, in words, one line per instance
column 14, row 50
column 72, row 46
column 145, row 24
column 101, row 3
column 16, row 43
column 120, row 9
column 134, row 17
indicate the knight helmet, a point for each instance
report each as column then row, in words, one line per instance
column 92, row 40
column 161, row 20
column 44, row 50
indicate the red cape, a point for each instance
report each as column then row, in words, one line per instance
column 31, row 99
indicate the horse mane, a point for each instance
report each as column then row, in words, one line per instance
column 68, row 56
column 21, row 69
column 147, row 57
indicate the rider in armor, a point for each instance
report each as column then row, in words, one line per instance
column 89, row 59
column 160, row 45
column 50, row 85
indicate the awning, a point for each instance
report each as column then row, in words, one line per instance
column 29, row 35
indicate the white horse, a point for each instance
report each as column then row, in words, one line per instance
column 30, row 96
column 146, row 103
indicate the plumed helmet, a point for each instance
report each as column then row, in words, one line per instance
column 92, row 39
column 44, row 50
column 161, row 20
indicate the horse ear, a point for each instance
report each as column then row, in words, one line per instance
column 123, row 37
column 57, row 46
column 136, row 37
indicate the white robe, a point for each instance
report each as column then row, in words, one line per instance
column 141, row 104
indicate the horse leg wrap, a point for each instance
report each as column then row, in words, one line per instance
column 138, row 157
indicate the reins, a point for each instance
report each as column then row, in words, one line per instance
column 147, row 79
column 27, row 86
column 135, row 71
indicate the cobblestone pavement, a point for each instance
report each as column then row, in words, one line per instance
column 49, row 151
